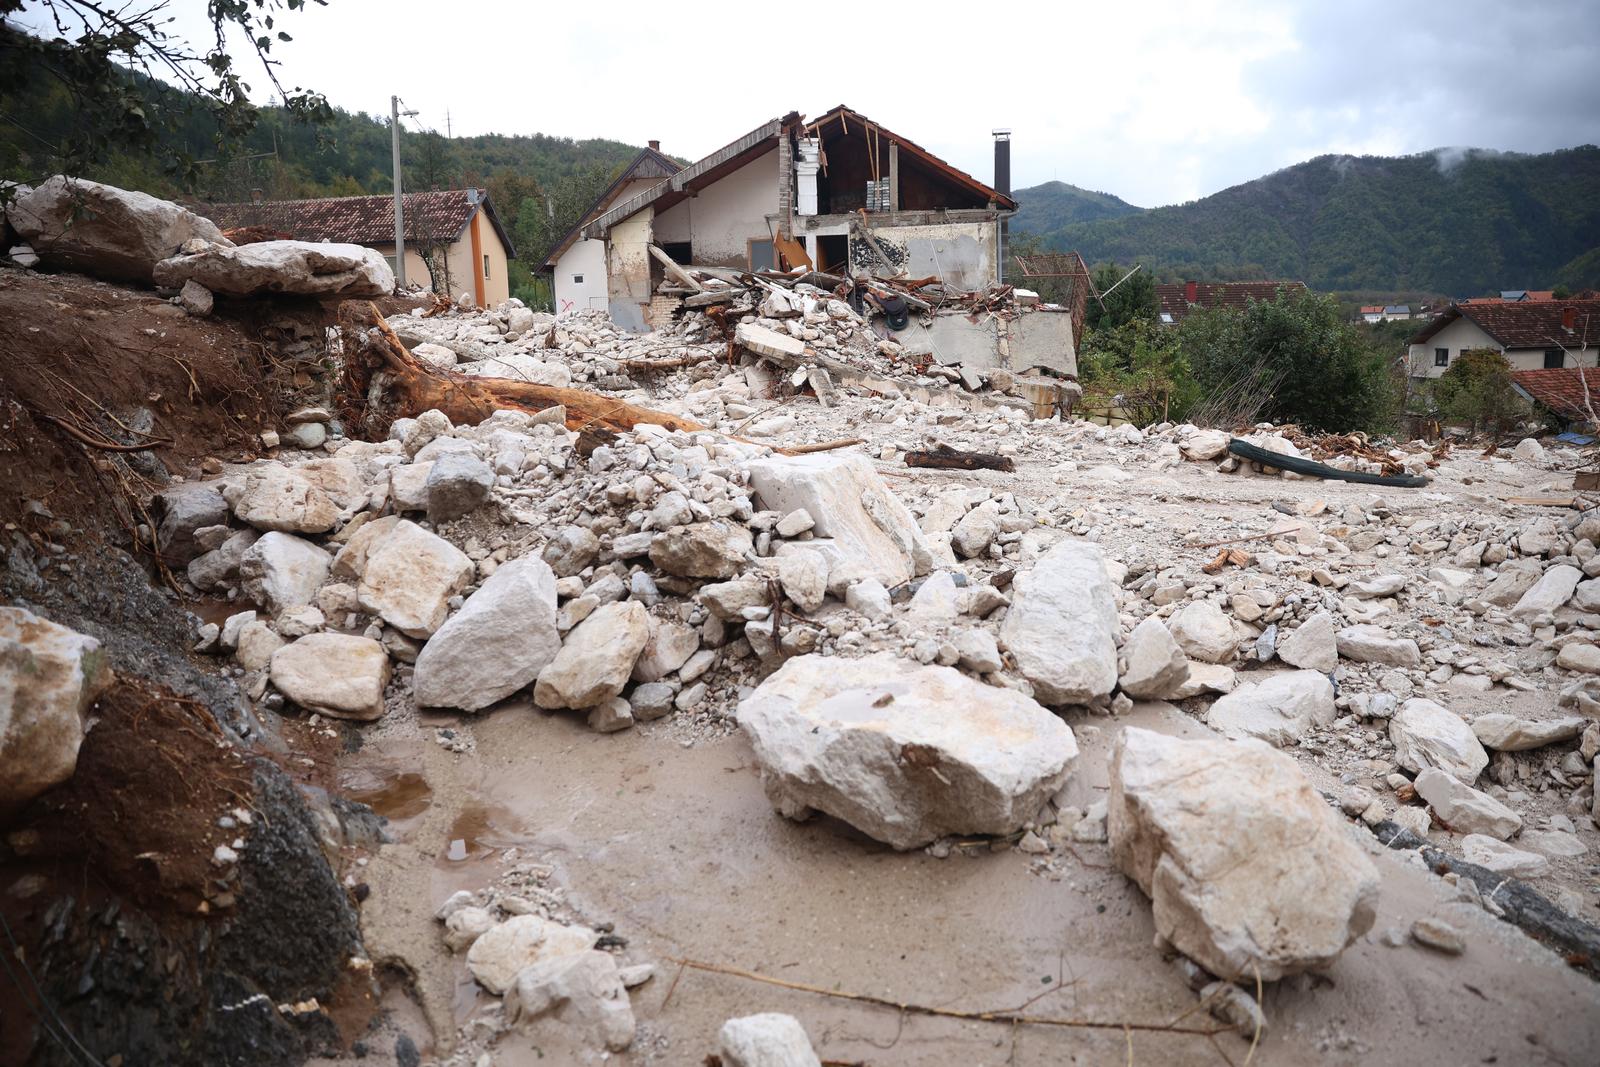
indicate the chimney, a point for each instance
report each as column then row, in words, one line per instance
column 805, row 169
column 1002, row 184
column 1569, row 319
column 1191, row 292
column 655, row 146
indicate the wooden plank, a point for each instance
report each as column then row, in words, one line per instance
column 675, row 272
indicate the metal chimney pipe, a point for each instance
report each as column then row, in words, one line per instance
column 1002, row 184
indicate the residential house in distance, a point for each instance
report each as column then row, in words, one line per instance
column 1533, row 335
column 455, row 242
column 1396, row 312
column 840, row 194
column 1173, row 302
column 1371, row 313
column 576, row 264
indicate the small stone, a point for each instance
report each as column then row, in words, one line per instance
column 1440, row 935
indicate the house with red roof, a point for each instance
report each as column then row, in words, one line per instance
column 1173, row 302
column 455, row 243
column 1533, row 335
column 840, row 194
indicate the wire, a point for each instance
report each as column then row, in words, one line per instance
column 43, row 1003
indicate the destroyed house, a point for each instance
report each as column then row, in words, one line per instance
column 839, row 194
column 1532, row 334
column 455, row 242
column 1173, row 302
column 577, row 264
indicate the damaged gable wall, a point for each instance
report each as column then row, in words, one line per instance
column 720, row 220
column 628, row 283
column 962, row 254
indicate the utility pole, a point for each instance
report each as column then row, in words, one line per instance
column 399, row 210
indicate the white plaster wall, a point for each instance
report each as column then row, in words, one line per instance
column 727, row 214
column 1533, row 358
column 672, row 225
column 586, row 258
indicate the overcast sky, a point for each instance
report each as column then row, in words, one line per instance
column 1157, row 103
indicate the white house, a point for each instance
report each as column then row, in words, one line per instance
column 1533, row 334
column 840, row 194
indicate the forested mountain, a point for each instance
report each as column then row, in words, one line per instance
column 1048, row 207
column 1461, row 222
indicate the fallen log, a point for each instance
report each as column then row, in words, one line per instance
column 383, row 381
column 947, row 458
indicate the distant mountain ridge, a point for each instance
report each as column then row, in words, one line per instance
column 1455, row 221
column 1050, row 206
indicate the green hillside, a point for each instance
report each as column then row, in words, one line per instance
column 1342, row 223
column 1048, row 207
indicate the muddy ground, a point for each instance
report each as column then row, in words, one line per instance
column 660, row 835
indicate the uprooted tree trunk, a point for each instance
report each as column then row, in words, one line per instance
column 383, row 381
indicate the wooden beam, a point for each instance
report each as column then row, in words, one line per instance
column 675, row 272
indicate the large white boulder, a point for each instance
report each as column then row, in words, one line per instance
column 1426, row 734
column 1062, row 625
column 49, row 677
column 903, row 752
column 1507, row 733
column 1553, row 589
column 1366, row 643
column 280, row 571
column 275, row 497
column 77, row 224
column 577, row 998
column 1464, row 809
column 1248, row 870
column 860, row 527
column 340, row 675
column 522, row 941
column 1205, row 633
column 1153, row 666
column 498, row 642
column 1278, row 710
column 597, row 658
column 410, row 576
column 301, row 268
column 1312, row 645
column 770, row 1039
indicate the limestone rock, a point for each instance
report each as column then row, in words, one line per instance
column 351, row 561
column 766, row 1040
column 597, row 658
column 905, row 753
column 103, row 231
column 1463, row 808
column 1579, row 656
column 256, row 644
column 1154, row 667
column 1248, row 870
column 1550, row 592
column 1062, row 624
column 217, row 567
column 1205, row 445
column 274, row 497
column 571, row 550
column 1206, row 678
column 976, row 650
column 668, row 647
column 976, row 530
column 1502, row 858
column 498, row 642
column 457, row 483
column 1426, row 734
column 1312, row 645
column 1373, row 644
column 861, row 529
column 579, row 995
column 1513, row 580
column 409, row 578
column 49, row 677
column 804, row 577
column 280, row 571
column 522, row 941
column 301, row 268
column 868, row 597
column 340, row 675
column 1278, row 711
column 185, row 508
column 1205, row 633
column 1507, row 733
column 716, row 549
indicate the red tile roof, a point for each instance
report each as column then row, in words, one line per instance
column 1526, row 323
column 365, row 220
column 1174, row 301
column 1372, row 309
column 1562, row 390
